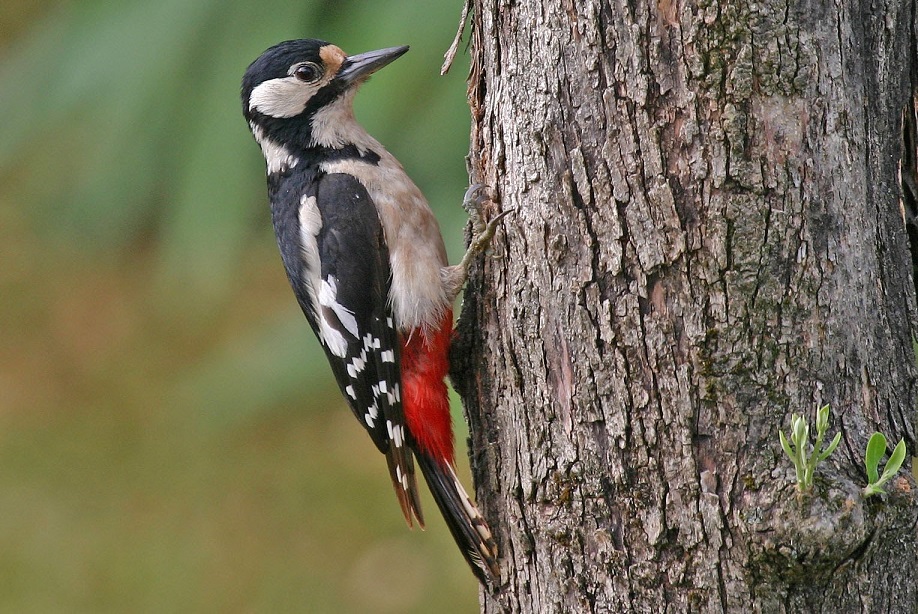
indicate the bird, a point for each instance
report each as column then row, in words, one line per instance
column 367, row 263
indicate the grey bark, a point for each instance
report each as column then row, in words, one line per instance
column 707, row 238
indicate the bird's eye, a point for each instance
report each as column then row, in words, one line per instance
column 307, row 73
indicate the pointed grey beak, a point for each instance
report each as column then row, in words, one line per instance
column 360, row 66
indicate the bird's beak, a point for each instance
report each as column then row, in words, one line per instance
column 359, row 67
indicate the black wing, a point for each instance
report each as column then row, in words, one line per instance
column 343, row 287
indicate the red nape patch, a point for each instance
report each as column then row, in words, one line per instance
column 425, row 400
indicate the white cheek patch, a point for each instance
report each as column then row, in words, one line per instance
column 283, row 97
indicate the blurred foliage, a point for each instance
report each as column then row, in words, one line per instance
column 170, row 436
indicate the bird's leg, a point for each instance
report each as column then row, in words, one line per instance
column 474, row 201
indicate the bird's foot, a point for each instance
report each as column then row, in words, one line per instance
column 474, row 202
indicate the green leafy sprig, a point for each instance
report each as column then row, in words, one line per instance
column 804, row 457
column 876, row 450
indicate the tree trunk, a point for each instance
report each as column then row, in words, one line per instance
column 707, row 238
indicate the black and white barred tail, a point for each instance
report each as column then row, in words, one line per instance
column 465, row 522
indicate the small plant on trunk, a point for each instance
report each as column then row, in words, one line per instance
column 876, row 450
column 805, row 457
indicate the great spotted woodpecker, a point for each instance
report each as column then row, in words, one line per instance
column 364, row 255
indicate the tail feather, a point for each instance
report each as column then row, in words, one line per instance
column 465, row 522
column 405, row 485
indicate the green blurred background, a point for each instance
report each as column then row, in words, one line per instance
column 171, row 439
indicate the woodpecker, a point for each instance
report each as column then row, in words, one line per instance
column 366, row 261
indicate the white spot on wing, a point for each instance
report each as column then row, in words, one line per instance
column 398, row 436
column 332, row 338
column 356, row 366
column 328, row 297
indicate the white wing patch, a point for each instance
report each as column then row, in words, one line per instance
column 310, row 218
column 331, row 335
column 328, row 297
column 310, row 225
column 321, row 293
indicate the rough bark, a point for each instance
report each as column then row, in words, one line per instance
column 707, row 237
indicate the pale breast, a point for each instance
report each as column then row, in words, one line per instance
column 416, row 250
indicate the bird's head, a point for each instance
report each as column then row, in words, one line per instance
column 302, row 90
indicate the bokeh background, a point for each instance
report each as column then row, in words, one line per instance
column 171, row 439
